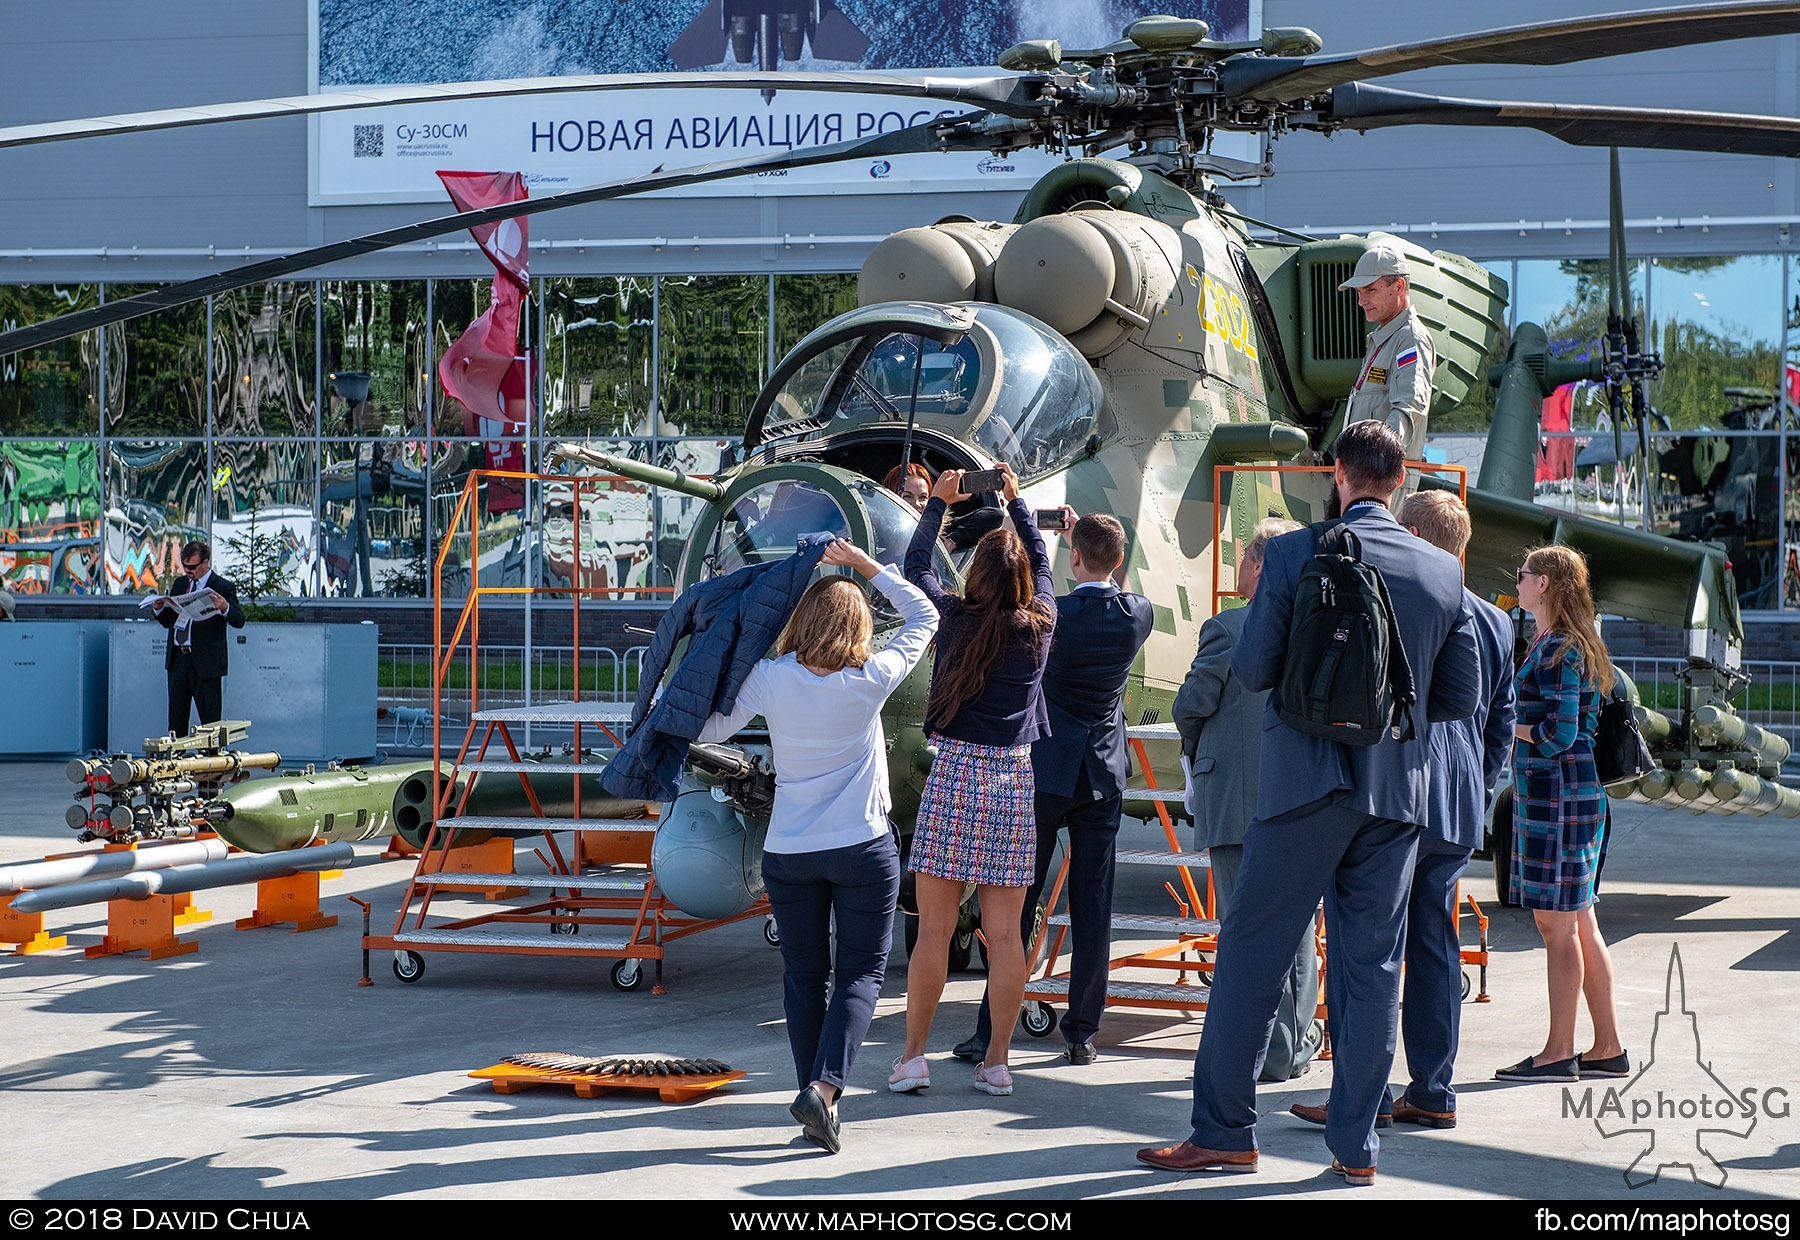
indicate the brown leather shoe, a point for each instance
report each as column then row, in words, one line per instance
column 1406, row 1113
column 1362, row 1177
column 1318, row 1114
column 1190, row 1157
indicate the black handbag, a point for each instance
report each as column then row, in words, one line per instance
column 1620, row 753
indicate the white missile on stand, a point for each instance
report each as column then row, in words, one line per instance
column 185, row 878
column 54, row 871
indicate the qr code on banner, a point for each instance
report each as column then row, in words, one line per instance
column 368, row 141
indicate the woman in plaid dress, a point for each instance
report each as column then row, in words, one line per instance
column 1559, row 813
column 976, row 822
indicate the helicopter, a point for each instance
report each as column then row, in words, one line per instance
column 1127, row 334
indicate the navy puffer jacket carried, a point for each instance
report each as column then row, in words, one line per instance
column 731, row 622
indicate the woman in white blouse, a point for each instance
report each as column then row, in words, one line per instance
column 830, row 854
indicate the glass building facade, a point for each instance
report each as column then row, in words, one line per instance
column 301, row 427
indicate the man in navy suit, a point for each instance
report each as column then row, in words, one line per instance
column 198, row 656
column 1079, row 770
column 1330, row 817
column 1467, row 757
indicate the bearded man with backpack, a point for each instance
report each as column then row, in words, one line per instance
column 1331, row 815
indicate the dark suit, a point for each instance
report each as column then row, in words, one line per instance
column 1467, row 756
column 1337, row 818
column 1220, row 722
column 1079, row 773
column 197, row 674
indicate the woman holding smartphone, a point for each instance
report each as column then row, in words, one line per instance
column 831, row 856
column 976, row 822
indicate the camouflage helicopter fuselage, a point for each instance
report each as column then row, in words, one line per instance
column 1116, row 343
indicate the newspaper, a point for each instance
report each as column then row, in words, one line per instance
column 193, row 607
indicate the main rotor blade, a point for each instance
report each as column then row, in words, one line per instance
column 1363, row 107
column 1010, row 95
column 1276, row 78
column 918, row 138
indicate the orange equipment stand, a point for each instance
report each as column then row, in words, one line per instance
column 291, row 900
column 149, row 925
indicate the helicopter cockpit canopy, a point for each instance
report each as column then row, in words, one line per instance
column 764, row 523
column 985, row 375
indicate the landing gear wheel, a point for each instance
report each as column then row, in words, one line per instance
column 771, row 932
column 627, row 975
column 570, row 928
column 409, row 967
column 1039, row 1019
column 962, row 950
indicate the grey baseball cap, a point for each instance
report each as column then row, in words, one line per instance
column 1376, row 262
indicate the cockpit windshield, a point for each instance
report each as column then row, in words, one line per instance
column 1001, row 380
column 766, row 522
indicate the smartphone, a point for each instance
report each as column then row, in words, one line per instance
column 1050, row 519
column 975, row 481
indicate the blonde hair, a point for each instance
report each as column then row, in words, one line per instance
column 831, row 626
column 1440, row 518
column 1569, row 608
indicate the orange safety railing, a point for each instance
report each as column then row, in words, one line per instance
column 467, row 625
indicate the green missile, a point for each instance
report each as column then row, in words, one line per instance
column 355, row 803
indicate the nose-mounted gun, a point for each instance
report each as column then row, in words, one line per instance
column 746, row 779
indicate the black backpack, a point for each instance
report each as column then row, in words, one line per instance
column 1346, row 678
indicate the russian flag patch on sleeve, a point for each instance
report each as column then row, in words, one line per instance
column 1407, row 357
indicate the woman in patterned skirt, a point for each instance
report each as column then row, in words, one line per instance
column 1559, row 814
column 976, row 823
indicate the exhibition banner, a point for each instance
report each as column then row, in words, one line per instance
column 568, row 141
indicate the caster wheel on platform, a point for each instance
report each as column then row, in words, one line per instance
column 771, row 933
column 409, row 966
column 1039, row 1019
column 627, row 975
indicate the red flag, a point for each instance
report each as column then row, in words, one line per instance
column 473, row 368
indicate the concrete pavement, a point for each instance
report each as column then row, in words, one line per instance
column 256, row 1067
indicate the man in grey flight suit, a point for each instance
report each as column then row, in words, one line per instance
column 1395, row 383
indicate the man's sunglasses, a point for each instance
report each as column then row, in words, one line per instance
column 192, row 563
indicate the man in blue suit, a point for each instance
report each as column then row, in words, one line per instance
column 1080, row 769
column 1467, row 757
column 1343, row 818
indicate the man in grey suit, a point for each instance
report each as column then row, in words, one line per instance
column 1220, row 722
column 1330, row 816
column 1467, row 756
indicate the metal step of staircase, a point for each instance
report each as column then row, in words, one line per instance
column 530, row 824
column 621, row 880
column 558, row 712
column 1193, row 995
column 494, row 940
column 1162, row 856
column 536, row 768
column 1152, row 922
